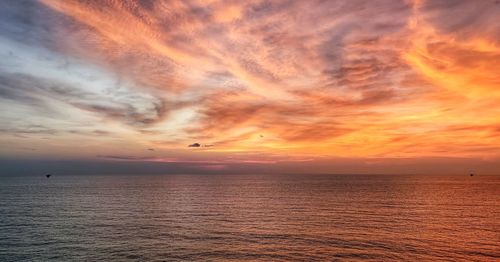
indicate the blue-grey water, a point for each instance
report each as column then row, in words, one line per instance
column 250, row 217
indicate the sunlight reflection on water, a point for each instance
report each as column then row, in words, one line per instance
column 249, row 217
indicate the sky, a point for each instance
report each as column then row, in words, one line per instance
column 250, row 86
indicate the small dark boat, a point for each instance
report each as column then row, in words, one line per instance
column 471, row 174
column 48, row 175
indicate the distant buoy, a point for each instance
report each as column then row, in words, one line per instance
column 48, row 175
column 471, row 174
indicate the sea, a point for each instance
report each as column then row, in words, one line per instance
column 250, row 218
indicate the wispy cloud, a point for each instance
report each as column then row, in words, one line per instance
column 330, row 78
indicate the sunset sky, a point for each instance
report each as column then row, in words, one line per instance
column 262, row 86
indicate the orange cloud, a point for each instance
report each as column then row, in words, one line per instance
column 301, row 79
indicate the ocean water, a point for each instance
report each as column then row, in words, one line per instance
column 250, row 217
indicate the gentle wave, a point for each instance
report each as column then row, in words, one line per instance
column 244, row 217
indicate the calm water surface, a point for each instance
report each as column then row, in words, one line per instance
column 255, row 217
